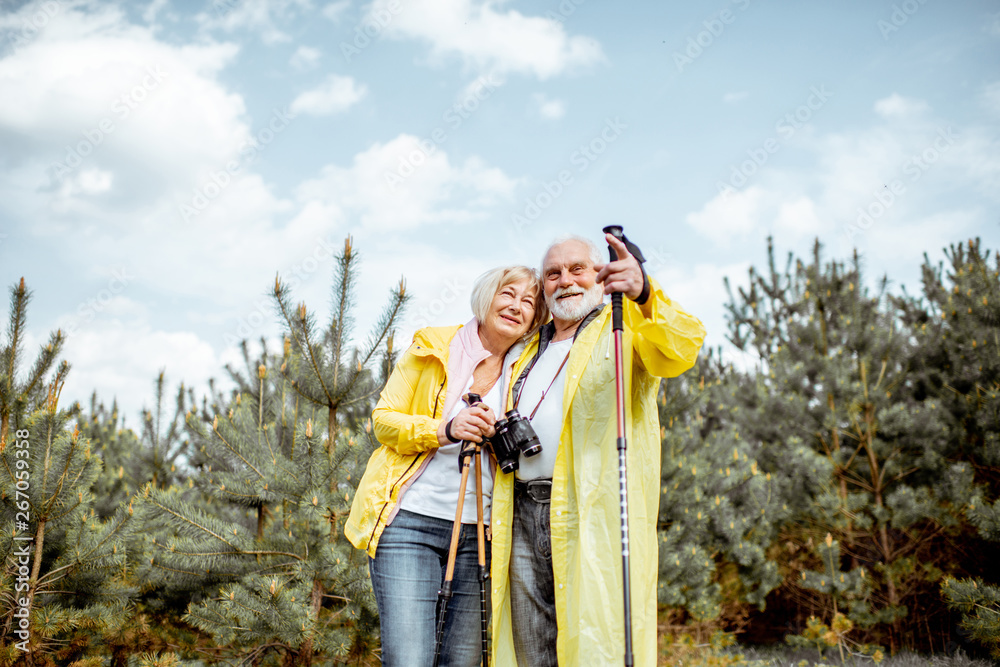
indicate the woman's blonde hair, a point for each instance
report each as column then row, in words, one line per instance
column 490, row 283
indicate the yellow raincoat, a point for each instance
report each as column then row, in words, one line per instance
column 585, row 507
column 405, row 421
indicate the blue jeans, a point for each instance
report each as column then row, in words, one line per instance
column 407, row 573
column 532, row 585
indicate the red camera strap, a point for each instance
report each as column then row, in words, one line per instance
column 517, row 399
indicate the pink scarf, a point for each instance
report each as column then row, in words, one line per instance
column 464, row 354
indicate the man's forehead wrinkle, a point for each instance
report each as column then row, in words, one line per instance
column 571, row 257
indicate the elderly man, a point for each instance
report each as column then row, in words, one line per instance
column 556, row 520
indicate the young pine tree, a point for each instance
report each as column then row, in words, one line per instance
column 837, row 399
column 718, row 511
column 65, row 574
column 131, row 461
column 958, row 324
column 281, row 465
column 325, row 369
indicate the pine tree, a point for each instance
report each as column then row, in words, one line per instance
column 113, row 443
column 717, row 509
column 325, row 370
column 131, row 461
column 286, row 586
column 20, row 398
column 280, row 465
column 839, row 402
column 65, row 571
column 958, row 323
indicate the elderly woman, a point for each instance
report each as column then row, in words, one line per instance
column 406, row 502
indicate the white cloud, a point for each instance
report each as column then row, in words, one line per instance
column 87, row 182
column 335, row 10
column 260, row 16
column 912, row 235
column 799, row 218
column 305, row 57
column 700, row 290
column 896, row 105
column 335, row 94
column 141, row 128
column 730, row 216
column 430, row 189
column 486, row 38
column 879, row 188
column 549, row 109
column 153, row 10
column 122, row 360
column 125, row 198
column 92, row 92
column 734, row 97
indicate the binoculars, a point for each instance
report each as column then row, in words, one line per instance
column 514, row 436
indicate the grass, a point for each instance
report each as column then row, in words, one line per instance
column 685, row 653
column 792, row 657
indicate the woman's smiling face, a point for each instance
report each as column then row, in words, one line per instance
column 513, row 309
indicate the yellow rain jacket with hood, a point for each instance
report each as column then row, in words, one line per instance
column 585, row 509
column 405, row 422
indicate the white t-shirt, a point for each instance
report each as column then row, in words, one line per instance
column 547, row 421
column 435, row 491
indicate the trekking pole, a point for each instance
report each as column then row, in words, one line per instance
column 445, row 594
column 484, row 573
column 617, row 327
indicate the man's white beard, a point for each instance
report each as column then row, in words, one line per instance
column 564, row 311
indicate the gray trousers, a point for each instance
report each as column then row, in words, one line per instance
column 532, row 587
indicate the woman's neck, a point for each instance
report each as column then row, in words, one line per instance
column 495, row 344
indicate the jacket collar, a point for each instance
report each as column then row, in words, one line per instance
column 434, row 341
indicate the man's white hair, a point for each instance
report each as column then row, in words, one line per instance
column 595, row 253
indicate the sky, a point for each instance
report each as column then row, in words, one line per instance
column 162, row 162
